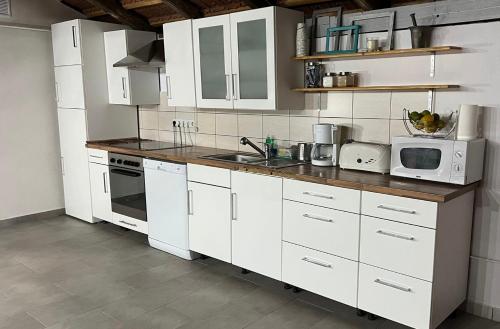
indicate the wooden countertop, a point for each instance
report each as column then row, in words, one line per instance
column 365, row 181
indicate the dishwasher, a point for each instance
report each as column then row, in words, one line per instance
column 167, row 207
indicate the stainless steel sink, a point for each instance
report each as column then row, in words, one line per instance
column 255, row 160
column 235, row 157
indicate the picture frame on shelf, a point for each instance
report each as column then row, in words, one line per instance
column 320, row 30
column 390, row 15
column 353, row 39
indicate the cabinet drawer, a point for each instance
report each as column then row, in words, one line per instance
column 326, row 275
column 130, row 223
column 406, row 210
column 322, row 195
column 394, row 296
column 397, row 247
column 209, row 175
column 98, row 156
column 332, row 231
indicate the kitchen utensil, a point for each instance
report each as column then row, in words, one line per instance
column 420, row 35
column 366, row 157
column 301, row 41
column 304, row 151
column 314, row 74
column 470, row 119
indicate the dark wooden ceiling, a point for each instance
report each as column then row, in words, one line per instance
column 151, row 14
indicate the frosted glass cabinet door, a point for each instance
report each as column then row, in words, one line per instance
column 212, row 51
column 253, row 78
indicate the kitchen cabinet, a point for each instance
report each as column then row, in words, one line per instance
column 256, row 223
column 66, row 43
column 242, row 60
column 179, row 63
column 69, row 87
column 99, row 186
column 74, row 163
column 210, row 220
column 81, row 90
column 130, row 86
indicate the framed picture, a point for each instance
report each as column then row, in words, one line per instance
column 322, row 20
column 390, row 16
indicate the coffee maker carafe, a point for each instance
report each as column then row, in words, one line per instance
column 325, row 151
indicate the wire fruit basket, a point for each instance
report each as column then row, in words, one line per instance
column 429, row 124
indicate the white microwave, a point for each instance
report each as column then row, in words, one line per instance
column 440, row 160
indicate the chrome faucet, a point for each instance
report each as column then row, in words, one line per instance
column 267, row 147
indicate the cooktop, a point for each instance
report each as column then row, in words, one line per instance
column 148, row 145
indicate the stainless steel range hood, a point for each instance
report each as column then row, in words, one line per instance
column 151, row 55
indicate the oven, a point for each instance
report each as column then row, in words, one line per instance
column 128, row 197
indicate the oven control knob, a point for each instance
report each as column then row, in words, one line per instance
column 459, row 154
column 112, row 160
column 127, row 163
column 119, row 161
column 136, row 164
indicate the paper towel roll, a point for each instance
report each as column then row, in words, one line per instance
column 469, row 122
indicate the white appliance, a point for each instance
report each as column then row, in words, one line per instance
column 326, row 147
column 366, row 156
column 167, row 207
column 440, row 160
column 470, row 120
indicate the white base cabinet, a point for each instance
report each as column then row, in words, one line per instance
column 256, row 223
column 99, row 185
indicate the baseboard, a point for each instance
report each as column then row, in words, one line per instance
column 36, row 216
column 478, row 309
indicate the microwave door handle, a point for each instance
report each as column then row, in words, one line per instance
column 125, row 172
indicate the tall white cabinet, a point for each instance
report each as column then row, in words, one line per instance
column 130, row 86
column 242, row 60
column 82, row 106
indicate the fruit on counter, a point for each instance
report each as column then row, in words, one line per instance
column 427, row 121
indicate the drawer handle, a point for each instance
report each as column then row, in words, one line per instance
column 316, row 262
column 234, row 206
column 396, row 235
column 190, row 202
column 392, row 285
column 318, row 218
column 329, row 197
column 127, row 223
column 96, row 156
column 411, row 212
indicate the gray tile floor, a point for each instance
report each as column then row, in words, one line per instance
column 64, row 273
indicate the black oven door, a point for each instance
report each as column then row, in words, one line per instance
column 128, row 195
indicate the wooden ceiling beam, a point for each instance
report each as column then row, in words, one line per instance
column 259, row 3
column 184, row 8
column 115, row 10
column 298, row 3
column 140, row 4
column 367, row 5
column 93, row 12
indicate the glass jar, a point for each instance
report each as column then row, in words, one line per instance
column 346, row 79
column 329, row 80
column 314, row 74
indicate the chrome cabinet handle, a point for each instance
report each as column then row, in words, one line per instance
column 411, row 212
column 105, row 180
column 324, row 196
column 316, row 262
column 392, row 285
column 57, row 92
column 127, row 223
column 234, row 210
column 62, row 165
column 396, row 235
column 96, row 156
column 73, row 31
column 190, row 202
column 235, row 87
column 322, row 219
column 124, row 87
column 169, row 87
column 228, row 91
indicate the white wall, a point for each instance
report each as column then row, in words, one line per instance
column 29, row 142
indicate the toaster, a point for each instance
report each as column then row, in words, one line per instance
column 366, row 156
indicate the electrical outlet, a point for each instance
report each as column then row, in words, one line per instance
column 184, row 123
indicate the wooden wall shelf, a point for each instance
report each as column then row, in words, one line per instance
column 380, row 88
column 383, row 53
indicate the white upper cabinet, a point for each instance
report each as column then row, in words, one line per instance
column 66, row 43
column 130, row 86
column 69, row 87
column 212, row 58
column 242, row 60
column 179, row 63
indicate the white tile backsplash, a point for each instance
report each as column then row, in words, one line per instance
column 226, row 124
column 227, row 142
column 148, row 119
column 206, row 122
column 205, row 140
column 413, row 101
column 277, row 126
column 250, row 125
column 150, row 134
column 371, row 130
column 301, row 128
column 367, row 105
column 165, row 120
column 397, row 128
column 339, row 105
